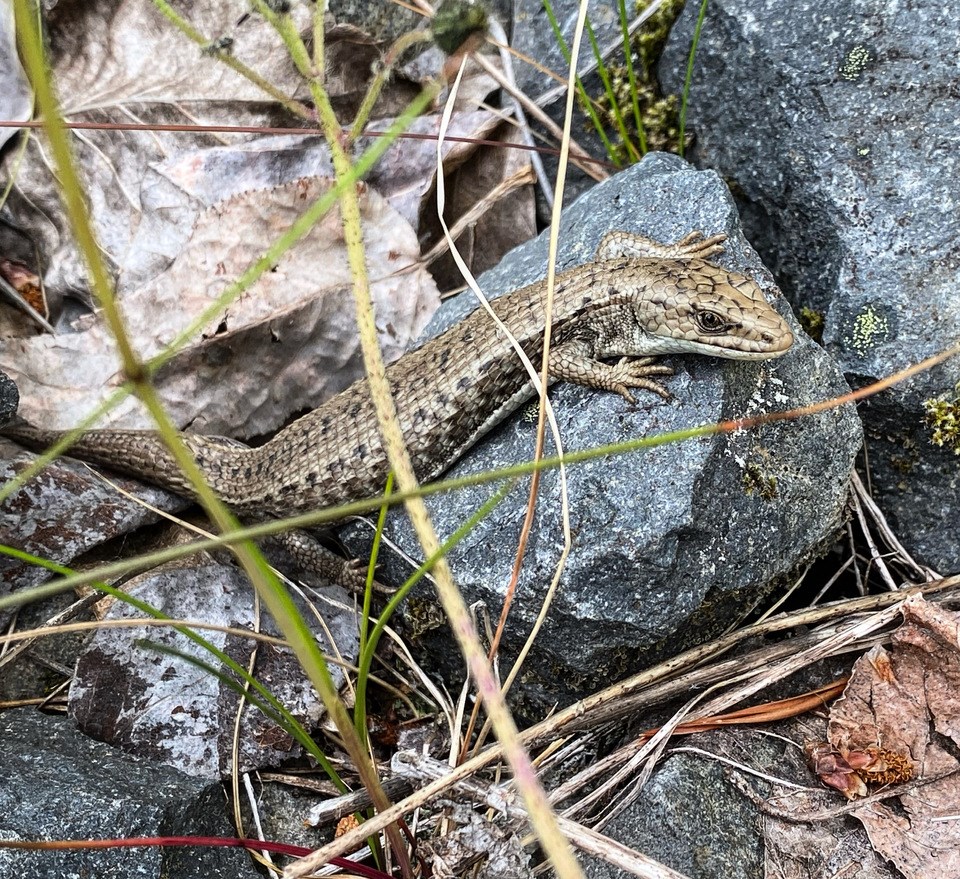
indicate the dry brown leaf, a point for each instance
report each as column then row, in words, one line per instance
column 110, row 53
column 285, row 345
column 907, row 700
column 177, row 221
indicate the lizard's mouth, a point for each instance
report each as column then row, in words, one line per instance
column 760, row 345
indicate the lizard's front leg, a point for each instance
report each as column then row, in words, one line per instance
column 574, row 361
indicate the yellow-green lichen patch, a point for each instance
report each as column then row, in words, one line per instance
column 942, row 416
column 531, row 412
column 855, row 62
column 455, row 21
column 870, row 327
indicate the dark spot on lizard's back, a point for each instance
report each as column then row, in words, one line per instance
column 311, row 477
column 464, row 383
column 360, row 451
column 354, row 410
column 444, row 357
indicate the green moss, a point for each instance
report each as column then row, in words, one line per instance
column 658, row 113
column 812, row 322
column 942, row 416
column 455, row 21
column 755, row 481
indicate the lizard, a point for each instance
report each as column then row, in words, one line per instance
column 636, row 300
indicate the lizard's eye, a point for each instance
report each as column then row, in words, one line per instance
column 710, row 322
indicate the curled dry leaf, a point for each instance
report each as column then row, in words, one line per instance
column 345, row 825
column 903, row 705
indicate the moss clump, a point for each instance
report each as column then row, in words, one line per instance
column 942, row 416
column 423, row 616
column 455, row 21
column 755, row 481
column 812, row 322
column 658, row 113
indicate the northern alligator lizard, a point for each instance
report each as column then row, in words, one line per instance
column 636, row 300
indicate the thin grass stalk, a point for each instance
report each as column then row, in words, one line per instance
column 688, row 77
column 604, row 75
column 631, row 76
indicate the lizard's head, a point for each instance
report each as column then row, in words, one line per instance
column 707, row 310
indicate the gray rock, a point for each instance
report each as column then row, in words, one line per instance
column 672, row 544
column 844, row 143
column 9, row 398
column 65, row 511
column 150, row 704
column 59, row 784
column 162, row 707
column 693, row 817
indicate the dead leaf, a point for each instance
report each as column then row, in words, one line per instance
column 282, row 347
column 906, row 700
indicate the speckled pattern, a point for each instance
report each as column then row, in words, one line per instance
column 638, row 299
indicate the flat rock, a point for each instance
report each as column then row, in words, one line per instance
column 65, row 511
column 150, row 703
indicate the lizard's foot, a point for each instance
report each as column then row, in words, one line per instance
column 353, row 577
column 691, row 246
column 573, row 361
column 635, row 373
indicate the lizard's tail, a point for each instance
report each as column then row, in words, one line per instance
column 139, row 453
